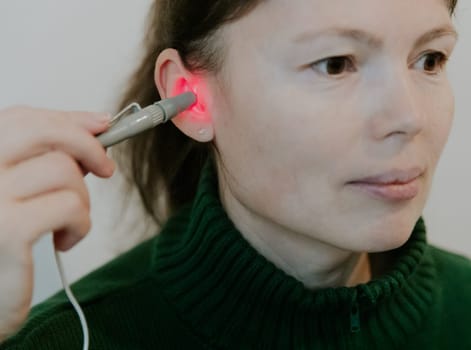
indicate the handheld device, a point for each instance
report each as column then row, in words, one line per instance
column 133, row 119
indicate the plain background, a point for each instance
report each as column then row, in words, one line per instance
column 73, row 55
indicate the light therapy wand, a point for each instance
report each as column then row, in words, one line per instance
column 133, row 119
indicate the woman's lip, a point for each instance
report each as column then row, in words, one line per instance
column 396, row 175
column 392, row 191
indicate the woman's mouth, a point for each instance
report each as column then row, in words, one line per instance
column 395, row 185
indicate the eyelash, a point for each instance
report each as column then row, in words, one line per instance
column 349, row 63
column 442, row 60
column 349, row 60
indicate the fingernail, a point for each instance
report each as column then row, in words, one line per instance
column 102, row 117
column 65, row 241
column 110, row 168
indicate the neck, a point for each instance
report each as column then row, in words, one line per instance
column 312, row 262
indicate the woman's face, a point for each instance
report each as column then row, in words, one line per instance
column 316, row 94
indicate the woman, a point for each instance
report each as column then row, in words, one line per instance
column 294, row 188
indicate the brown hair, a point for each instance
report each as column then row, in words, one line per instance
column 163, row 164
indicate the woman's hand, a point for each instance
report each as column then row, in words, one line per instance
column 43, row 157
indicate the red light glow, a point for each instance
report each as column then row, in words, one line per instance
column 196, row 86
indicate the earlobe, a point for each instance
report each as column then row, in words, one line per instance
column 171, row 78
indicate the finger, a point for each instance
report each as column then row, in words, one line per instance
column 52, row 171
column 29, row 137
column 92, row 121
column 56, row 211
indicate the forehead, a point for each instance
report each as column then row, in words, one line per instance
column 285, row 19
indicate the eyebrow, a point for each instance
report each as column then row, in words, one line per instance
column 372, row 40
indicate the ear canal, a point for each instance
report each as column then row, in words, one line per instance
column 183, row 85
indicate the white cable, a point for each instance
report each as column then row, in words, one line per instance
column 73, row 301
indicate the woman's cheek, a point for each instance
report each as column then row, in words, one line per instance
column 443, row 111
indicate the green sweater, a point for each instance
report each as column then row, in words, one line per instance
column 200, row 285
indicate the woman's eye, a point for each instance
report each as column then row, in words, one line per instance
column 432, row 62
column 334, row 66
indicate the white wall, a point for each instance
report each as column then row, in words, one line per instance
column 78, row 54
column 448, row 211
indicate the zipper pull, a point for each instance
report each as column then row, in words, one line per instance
column 355, row 317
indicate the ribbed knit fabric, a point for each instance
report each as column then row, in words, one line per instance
column 200, row 285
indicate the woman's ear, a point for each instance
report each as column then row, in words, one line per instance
column 171, row 78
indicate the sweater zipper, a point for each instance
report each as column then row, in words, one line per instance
column 355, row 316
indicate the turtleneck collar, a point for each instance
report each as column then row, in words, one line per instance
column 234, row 298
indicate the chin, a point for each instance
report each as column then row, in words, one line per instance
column 384, row 236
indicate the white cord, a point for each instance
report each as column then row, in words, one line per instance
column 73, row 301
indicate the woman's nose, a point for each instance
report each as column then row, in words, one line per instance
column 399, row 111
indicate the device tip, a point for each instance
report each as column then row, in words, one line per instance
column 185, row 101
